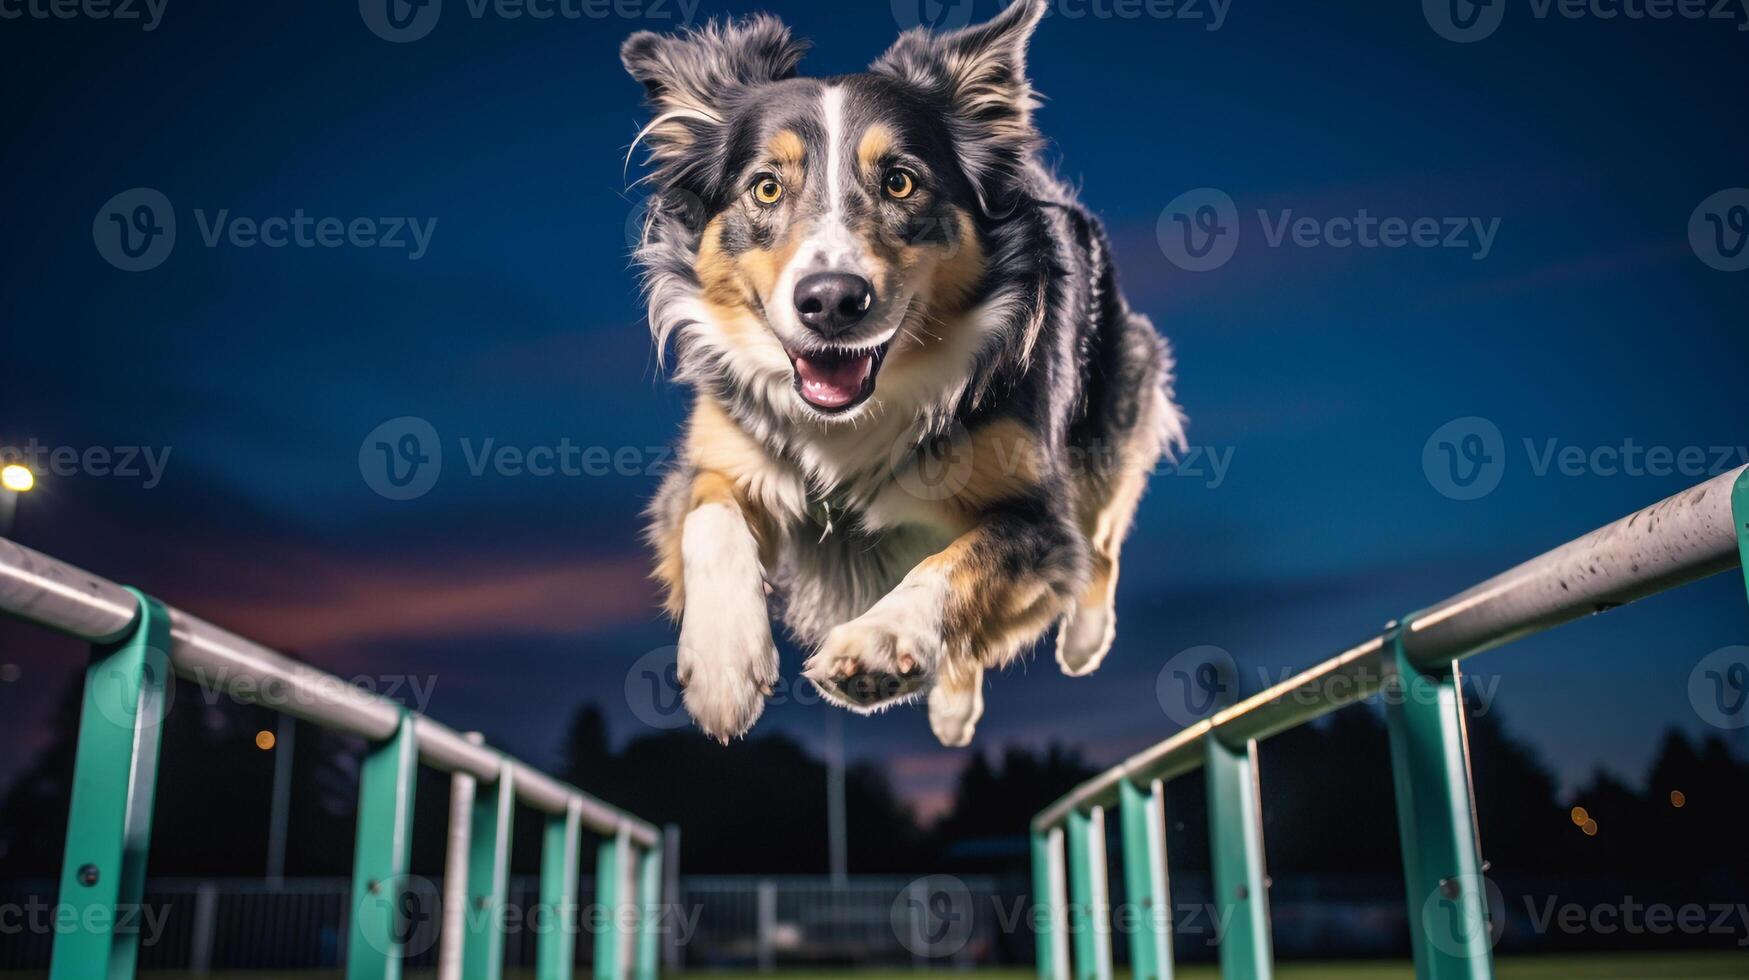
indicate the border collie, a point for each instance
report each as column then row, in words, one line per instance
column 923, row 413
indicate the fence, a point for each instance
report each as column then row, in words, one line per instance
column 1700, row 532
column 137, row 642
column 733, row 921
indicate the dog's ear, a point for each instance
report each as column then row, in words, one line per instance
column 976, row 76
column 693, row 77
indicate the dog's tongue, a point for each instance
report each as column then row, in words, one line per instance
column 833, row 382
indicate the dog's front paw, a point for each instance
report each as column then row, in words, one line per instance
column 875, row 660
column 727, row 666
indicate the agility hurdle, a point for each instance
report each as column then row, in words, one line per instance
column 137, row 643
column 1694, row 534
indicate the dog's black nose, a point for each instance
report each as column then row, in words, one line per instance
column 833, row 302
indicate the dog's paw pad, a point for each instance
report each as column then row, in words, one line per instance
column 866, row 666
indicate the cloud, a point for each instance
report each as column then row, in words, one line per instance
column 332, row 603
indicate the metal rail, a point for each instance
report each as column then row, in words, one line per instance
column 1686, row 537
column 138, row 642
column 1678, row 540
column 62, row 597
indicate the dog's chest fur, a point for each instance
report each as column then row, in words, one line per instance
column 840, row 549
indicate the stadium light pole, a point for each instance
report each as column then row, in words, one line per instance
column 16, row 480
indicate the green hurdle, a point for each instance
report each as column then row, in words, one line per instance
column 1050, row 903
column 488, row 879
column 379, row 861
column 1436, row 819
column 127, row 692
column 1236, row 838
column 1089, row 898
column 561, row 843
column 1414, row 662
column 1144, row 864
column 646, row 962
column 103, row 872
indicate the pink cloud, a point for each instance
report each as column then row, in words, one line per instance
column 330, row 603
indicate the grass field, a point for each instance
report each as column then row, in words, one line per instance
column 1611, row 966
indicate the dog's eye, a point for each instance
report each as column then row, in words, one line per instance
column 767, row 191
column 899, row 183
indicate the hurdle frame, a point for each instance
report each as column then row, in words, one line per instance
column 1688, row 536
column 137, row 643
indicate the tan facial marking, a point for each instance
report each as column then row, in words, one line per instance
column 958, row 274
column 876, row 143
column 787, row 149
column 739, row 284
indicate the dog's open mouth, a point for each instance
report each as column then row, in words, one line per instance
column 836, row 380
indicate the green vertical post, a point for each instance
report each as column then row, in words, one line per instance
column 646, row 964
column 561, row 845
column 488, row 878
column 379, row 862
column 1241, row 884
column 1144, row 866
column 1436, row 818
column 1740, row 516
column 109, row 828
column 1089, row 901
column 611, row 871
column 1050, row 903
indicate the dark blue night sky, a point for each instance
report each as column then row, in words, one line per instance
column 1315, row 376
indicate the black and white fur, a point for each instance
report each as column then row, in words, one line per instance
column 978, row 488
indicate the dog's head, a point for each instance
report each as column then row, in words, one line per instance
column 807, row 232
